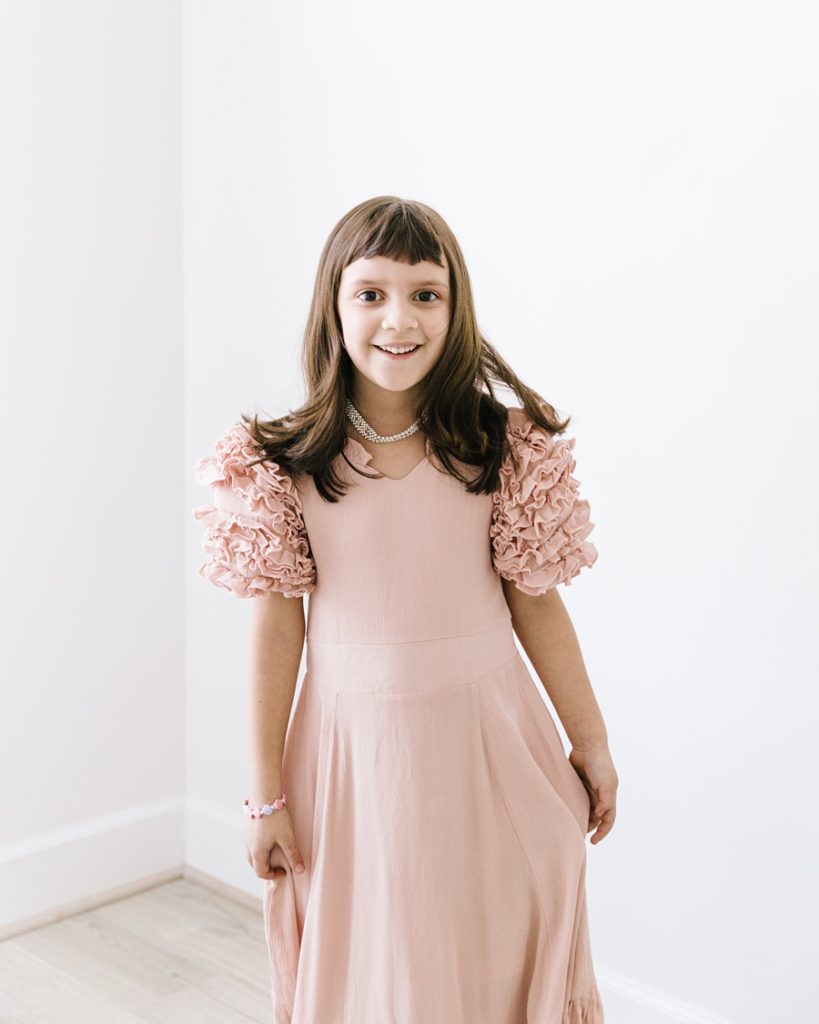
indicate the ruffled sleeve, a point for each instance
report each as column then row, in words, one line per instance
column 539, row 522
column 255, row 539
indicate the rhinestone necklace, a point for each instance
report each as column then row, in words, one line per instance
column 364, row 428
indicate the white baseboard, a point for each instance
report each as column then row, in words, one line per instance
column 626, row 1001
column 65, row 871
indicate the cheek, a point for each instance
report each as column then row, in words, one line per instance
column 361, row 324
column 438, row 325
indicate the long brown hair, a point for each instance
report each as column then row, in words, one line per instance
column 459, row 412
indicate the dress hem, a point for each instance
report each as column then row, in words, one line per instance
column 585, row 1009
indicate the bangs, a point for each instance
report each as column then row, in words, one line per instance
column 398, row 233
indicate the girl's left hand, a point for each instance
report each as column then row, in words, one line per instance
column 597, row 773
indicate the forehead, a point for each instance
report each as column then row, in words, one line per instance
column 381, row 271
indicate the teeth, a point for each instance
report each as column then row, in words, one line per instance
column 397, row 351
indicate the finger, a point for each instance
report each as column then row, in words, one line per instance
column 606, row 825
column 263, row 867
column 295, row 857
column 602, row 804
column 263, row 870
column 596, row 810
column 607, row 794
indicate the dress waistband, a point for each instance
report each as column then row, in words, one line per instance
column 412, row 666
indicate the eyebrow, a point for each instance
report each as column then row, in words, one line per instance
column 422, row 284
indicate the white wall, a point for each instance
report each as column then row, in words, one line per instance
column 633, row 186
column 633, row 189
column 93, row 497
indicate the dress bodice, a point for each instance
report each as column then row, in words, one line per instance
column 395, row 557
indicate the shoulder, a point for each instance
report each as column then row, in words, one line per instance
column 520, row 425
column 232, row 465
column 518, row 420
column 540, row 522
column 254, row 537
column 228, row 457
column 534, row 450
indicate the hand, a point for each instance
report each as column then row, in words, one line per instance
column 271, row 838
column 597, row 773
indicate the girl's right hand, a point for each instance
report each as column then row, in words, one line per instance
column 271, row 837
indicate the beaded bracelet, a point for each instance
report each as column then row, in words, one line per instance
column 257, row 812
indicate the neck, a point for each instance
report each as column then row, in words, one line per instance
column 387, row 412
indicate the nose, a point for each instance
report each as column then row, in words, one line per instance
column 399, row 318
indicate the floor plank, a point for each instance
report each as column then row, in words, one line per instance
column 175, row 954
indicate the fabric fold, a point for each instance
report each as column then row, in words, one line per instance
column 585, row 1009
column 539, row 522
column 255, row 539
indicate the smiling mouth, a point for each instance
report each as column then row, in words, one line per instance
column 401, row 351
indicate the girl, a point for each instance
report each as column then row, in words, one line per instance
column 419, row 827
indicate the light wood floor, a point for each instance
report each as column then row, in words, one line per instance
column 176, row 954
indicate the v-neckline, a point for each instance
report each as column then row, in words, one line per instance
column 365, row 457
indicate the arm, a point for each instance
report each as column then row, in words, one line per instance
column 276, row 645
column 546, row 633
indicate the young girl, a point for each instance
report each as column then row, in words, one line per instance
column 419, row 827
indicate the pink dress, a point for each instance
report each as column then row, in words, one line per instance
column 441, row 823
